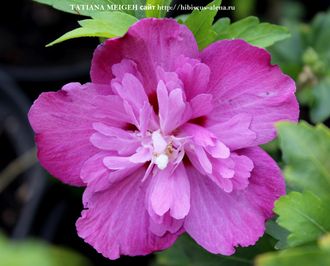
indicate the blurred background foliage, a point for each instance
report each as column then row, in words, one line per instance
column 36, row 252
column 35, row 206
column 306, row 58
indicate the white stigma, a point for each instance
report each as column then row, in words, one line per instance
column 161, row 161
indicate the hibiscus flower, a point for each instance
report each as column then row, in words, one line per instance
column 165, row 140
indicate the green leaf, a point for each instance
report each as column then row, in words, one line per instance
column 320, row 33
column 200, row 23
column 105, row 25
column 315, row 62
column 88, row 8
column 305, row 215
column 304, row 256
column 158, row 8
column 221, row 25
column 288, row 53
column 305, row 95
column 234, row 30
column 320, row 110
column 34, row 252
column 243, row 8
column 186, row 252
column 181, row 18
column 318, row 40
column 273, row 149
column 279, row 233
column 324, row 242
column 251, row 30
column 306, row 153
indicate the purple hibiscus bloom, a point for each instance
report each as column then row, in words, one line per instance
column 165, row 140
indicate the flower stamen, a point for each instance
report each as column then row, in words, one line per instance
column 162, row 161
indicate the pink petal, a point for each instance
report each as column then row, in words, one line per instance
column 223, row 173
column 165, row 224
column 224, row 168
column 94, row 172
column 99, row 177
column 219, row 150
column 113, row 144
column 201, row 136
column 142, row 155
column 243, row 81
column 201, row 105
column 232, row 173
column 131, row 90
column 63, row 123
column 172, row 108
column 170, row 191
column 159, row 143
column 114, row 139
column 203, row 159
column 243, row 167
column 194, row 160
column 117, row 223
column 133, row 114
column 221, row 221
column 170, row 79
column 235, row 132
column 117, row 162
column 136, row 102
column 112, row 131
column 194, row 75
column 125, row 66
column 148, row 43
column 147, row 119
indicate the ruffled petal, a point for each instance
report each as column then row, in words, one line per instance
column 97, row 176
column 203, row 158
column 170, row 79
column 114, row 139
column 170, row 191
column 232, row 173
column 131, row 90
column 117, row 223
column 218, row 150
column 63, row 123
column 243, row 81
column 95, row 173
column 221, row 221
column 118, row 162
column 235, row 132
column 201, row 105
column 194, row 75
column 149, row 43
column 135, row 99
column 173, row 110
column 125, row 66
column 160, row 225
